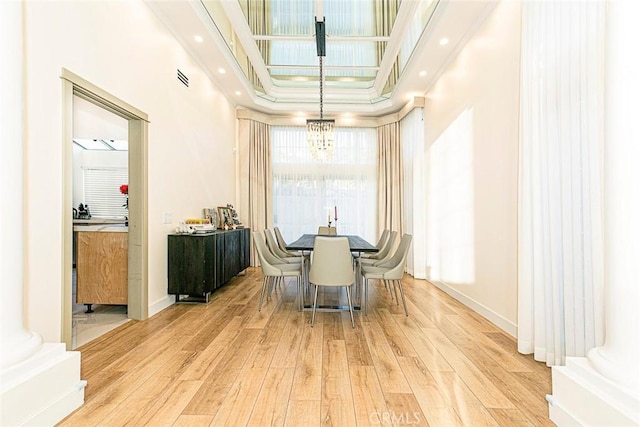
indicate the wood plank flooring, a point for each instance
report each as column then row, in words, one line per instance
column 226, row 364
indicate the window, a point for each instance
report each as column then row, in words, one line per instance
column 306, row 192
column 102, row 192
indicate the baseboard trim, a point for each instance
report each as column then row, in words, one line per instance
column 43, row 389
column 581, row 396
column 159, row 305
column 493, row 317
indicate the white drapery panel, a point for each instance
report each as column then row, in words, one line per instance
column 390, row 179
column 560, row 253
column 412, row 137
column 306, row 193
column 254, row 150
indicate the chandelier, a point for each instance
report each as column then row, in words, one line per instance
column 320, row 131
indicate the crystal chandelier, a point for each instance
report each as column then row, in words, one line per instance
column 320, row 131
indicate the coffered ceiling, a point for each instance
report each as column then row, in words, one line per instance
column 379, row 53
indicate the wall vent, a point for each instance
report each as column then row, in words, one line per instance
column 184, row 79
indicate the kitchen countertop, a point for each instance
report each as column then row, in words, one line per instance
column 110, row 228
column 93, row 221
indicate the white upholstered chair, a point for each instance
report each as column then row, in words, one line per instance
column 274, row 269
column 380, row 245
column 283, row 244
column 279, row 253
column 331, row 267
column 391, row 269
column 327, row 231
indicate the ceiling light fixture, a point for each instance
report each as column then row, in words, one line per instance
column 444, row 41
column 320, row 132
column 423, row 73
column 198, row 39
column 222, row 70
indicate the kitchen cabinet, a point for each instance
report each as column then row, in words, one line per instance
column 198, row 264
column 102, row 266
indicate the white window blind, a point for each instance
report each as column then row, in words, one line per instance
column 102, row 192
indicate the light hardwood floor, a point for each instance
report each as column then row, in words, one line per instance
column 226, row 364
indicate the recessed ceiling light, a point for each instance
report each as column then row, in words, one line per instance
column 222, row 70
column 423, row 73
column 444, row 41
column 238, row 93
column 198, row 39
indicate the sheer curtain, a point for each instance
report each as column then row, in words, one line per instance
column 390, row 178
column 560, row 254
column 412, row 137
column 306, row 192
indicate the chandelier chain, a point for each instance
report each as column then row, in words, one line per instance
column 321, row 86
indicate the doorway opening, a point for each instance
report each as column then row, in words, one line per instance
column 136, row 198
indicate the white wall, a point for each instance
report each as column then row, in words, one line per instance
column 483, row 80
column 122, row 48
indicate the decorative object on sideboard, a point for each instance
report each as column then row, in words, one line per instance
column 226, row 218
column 212, row 215
column 235, row 217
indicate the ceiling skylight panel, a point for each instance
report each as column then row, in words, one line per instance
column 292, row 52
column 350, row 17
column 352, row 54
column 290, row 17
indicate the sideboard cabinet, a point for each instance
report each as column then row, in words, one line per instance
column 201, row 263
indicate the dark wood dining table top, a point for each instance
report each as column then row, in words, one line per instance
column 356, row 243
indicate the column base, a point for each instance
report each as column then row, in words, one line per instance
column 43, row 389
column 583, row 397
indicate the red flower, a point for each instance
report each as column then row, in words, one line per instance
column 124, row 188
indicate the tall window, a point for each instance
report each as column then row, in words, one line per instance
column 306, row 193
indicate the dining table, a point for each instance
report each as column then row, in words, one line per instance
column 357, row 246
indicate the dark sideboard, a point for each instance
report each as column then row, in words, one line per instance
column 201, row 263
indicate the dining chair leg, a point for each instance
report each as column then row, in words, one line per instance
column 272, row 286
column 395, row 291
column 264, row 285
column 387, row 286
column 366, row 296
column 315, row 300
column 404, row 302
column 353, row 323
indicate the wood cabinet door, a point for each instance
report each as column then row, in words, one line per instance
column 231, row 254
column 102, row 268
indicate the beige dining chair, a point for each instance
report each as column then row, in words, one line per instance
column 382, row 255
column 390, row 270
column 279, row 253
column 331, row 267
column 381, row 242
column 273, row 270
column 283, row 244
column 285, row 256
column 327, row 231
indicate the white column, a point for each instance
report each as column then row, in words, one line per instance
column 604, row 387
column 17, row 343
column 39, row 383
column 619, row 358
